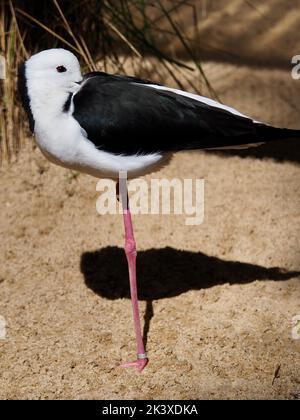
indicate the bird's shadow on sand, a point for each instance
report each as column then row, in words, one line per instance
column 168, row 272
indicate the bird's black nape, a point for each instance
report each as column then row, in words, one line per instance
column 67, row 104
column 23, row 93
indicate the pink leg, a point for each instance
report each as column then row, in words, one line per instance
column 130, row 250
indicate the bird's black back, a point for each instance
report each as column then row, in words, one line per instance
column 125, row 115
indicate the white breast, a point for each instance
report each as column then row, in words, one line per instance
column 63, row 142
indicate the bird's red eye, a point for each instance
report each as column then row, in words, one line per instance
column 61, row 69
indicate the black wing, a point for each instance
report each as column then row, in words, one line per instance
column 124, row 115
column 117, row 78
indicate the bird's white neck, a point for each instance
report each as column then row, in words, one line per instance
column 56, row 131
column 46, row 104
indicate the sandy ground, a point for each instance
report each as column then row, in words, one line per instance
column 218, row 299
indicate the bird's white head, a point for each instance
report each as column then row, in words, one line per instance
column 47, row 78
column 54, row 69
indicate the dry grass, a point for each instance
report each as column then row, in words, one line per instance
column 11, row 120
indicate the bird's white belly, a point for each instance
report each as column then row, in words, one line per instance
column 67, row 146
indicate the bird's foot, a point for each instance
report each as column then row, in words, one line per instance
column 140, row 363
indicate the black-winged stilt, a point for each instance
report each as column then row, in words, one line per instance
column 103, row 124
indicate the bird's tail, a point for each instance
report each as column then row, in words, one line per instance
column 261, row 135
column 269, row 133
